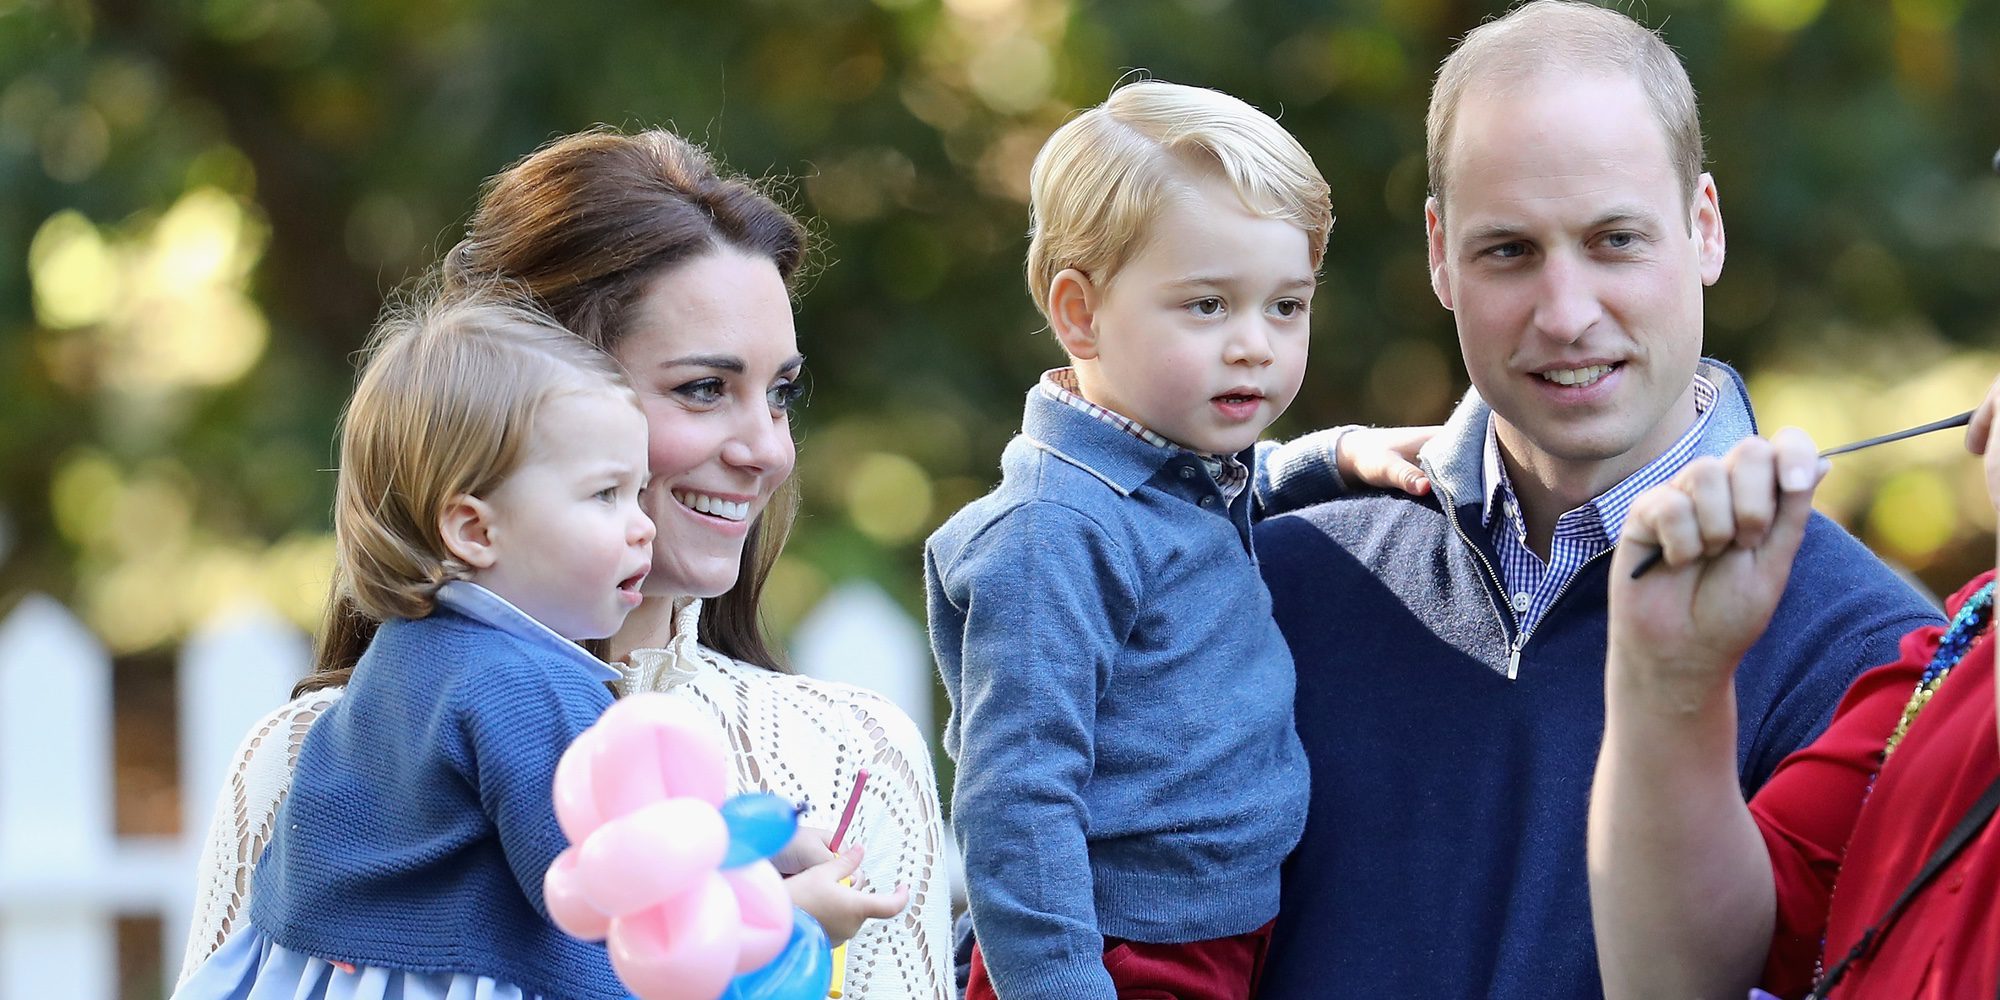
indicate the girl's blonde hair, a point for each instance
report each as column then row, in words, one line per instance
column 1102, row 178
column 449, row 389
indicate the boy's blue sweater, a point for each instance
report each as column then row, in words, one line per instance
column 421, row 819
column 1444, row 850
column 1121, row 705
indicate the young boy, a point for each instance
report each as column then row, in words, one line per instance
column 1128, row 777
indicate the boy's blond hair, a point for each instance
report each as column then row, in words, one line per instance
column 448, row 392
column 1544, row 36
column 1103, row 177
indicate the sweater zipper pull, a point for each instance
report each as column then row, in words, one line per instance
column 1514, row 658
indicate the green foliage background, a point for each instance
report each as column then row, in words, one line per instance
column 203, row 202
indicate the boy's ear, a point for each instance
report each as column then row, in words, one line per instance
column 466, row 525
column 1073, row 313
column 1434, row 238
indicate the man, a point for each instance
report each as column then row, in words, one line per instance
column 1450, row 648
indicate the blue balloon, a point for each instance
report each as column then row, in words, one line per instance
column 760, row 825
column 803, row 971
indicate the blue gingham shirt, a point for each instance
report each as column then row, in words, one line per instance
column 1583, row 533
column 1230, row 475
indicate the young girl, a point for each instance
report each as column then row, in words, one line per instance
column 488, row 514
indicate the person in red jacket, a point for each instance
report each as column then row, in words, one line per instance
column 1695, row 892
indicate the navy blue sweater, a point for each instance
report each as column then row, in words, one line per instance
column 1444, row 846
column 421, row 819
column 1121, row 705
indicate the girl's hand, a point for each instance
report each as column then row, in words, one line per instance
column 807, row 848
column 1384, row 457
column 842, row 909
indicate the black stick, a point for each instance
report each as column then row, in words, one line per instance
column 1652, row 560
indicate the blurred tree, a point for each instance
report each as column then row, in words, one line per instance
column 202, row 203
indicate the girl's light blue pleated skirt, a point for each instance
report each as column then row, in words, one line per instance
column 250, row 966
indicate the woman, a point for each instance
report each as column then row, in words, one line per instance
column 1847, row 872
column 637, row 245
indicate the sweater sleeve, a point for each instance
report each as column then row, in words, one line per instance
column 1850, row 614
column 1804, row 712
column 1807, row 810
column 515, row 718
column 1298, row 473
column 1047, row 600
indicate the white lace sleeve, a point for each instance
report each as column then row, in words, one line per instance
column 241, row 826
column 898, row 820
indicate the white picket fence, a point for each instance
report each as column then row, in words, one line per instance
column 65, row 875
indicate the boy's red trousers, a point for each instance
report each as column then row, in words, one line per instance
column 1221, row 969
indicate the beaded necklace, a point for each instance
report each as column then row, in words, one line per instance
column 1972, row 619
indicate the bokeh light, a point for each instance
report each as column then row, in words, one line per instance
column 1913, row 516
column 162, row 308
column 889, row 497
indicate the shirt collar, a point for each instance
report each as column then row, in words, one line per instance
column 1060, row 384
column 1609, row 507
column 1230, row 473
column 490, row 609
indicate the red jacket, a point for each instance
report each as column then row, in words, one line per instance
column 1840, row 854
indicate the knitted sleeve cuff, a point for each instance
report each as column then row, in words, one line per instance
column 1300, row 472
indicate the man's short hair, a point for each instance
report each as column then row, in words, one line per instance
column 1544, row 36
column 1104, row 176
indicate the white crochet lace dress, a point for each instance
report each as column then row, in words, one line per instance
column 793, row 736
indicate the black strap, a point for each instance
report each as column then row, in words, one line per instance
column 1962, row 834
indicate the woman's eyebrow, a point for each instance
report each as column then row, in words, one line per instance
column 728, row 363
column 724, row 362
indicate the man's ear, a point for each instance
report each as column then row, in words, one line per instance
column 1434, row 238
column 466, row 525
column 1073, row 300
column 1707, row 228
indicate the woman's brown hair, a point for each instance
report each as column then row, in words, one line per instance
column 584, row 225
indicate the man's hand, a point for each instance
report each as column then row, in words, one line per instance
column 1728, row 529
column 1384, row 457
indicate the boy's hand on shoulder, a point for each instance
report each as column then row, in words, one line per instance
column 1384, row 458
column 841, row 908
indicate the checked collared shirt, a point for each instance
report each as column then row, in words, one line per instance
column 1581, row 534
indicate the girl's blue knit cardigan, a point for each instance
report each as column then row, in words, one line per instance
column 420, row 820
